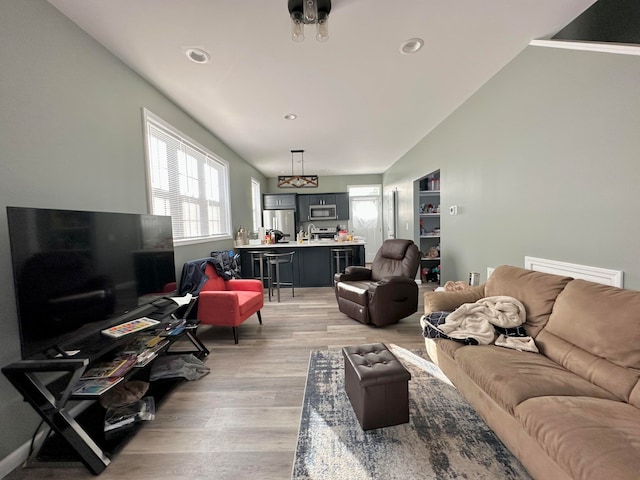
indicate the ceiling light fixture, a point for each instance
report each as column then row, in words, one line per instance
column 309, row 12
column 411, row 46
column 290, row 116
column 197, row 55
column 298, row 181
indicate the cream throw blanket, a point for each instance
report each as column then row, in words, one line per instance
column 476, row 320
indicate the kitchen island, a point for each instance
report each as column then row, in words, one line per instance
column 313, row 263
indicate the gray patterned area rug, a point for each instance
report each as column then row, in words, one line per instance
column 444, row 439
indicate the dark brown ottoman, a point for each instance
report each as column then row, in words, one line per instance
column 377, row 385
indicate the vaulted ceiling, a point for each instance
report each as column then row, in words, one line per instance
column 360, row 103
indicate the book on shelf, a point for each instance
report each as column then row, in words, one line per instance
column 129, row 327
column 150, row 353
column 95, row 386
column 112, row 368
column 144, row 358
column 139, row 344
column 144, row 348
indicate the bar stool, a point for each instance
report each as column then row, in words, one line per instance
column 341, row 254
column 259, row 256
column 274, row 260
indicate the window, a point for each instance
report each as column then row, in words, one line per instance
column 364, row 190
column 256, row 204
column 187, row 182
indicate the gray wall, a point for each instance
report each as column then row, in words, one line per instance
column 72, row 137
column 542, row 161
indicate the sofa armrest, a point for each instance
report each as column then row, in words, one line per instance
column 244, row 284
column 449, row 301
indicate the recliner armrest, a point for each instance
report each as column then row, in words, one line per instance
column 397, row 279
column 390, row 282
column 353, row 273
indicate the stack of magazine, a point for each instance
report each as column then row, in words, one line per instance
column 145, row 348
column 103, row 375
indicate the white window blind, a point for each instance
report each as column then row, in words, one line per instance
column 256, row 204
column 187, row 182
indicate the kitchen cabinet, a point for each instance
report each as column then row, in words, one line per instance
column 340, row 200
column 312, row 263
column 342, row 206
column 279, row 201
column 303, row 208
column 429, row 225
column 322, row 199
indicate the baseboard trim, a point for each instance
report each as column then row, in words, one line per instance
column 16, row 458
column 12, row 461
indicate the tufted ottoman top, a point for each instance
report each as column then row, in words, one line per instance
column 374, row 364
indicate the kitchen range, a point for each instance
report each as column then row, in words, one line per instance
column 323, row 232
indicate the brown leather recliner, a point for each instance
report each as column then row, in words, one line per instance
column 385, row 293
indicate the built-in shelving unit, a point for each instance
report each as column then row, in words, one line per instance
column 428, row 216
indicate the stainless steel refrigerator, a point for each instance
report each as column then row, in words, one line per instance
column 283, row 220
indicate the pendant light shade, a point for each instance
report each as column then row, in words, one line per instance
column 298, row 181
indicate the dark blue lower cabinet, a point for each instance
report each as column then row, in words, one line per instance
column 313, row 266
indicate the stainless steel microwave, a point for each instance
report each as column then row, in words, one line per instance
column 322, row 212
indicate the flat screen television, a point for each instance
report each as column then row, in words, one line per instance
column 78, row 272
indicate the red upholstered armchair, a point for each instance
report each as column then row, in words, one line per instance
column 228, row 303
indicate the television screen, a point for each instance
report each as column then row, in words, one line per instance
column 77, row 272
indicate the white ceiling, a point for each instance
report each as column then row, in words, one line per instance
column 361, row 104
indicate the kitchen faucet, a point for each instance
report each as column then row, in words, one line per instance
column 309, row 230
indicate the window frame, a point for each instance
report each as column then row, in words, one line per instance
column 206, row 161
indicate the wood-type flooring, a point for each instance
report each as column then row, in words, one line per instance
column 241, row 421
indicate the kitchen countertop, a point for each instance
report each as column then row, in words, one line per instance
column 313, row 264
column 306, row 243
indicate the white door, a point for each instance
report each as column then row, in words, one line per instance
column 366, row 221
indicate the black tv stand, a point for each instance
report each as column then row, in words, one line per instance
column 50, row 399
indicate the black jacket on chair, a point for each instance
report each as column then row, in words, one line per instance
column 385, row 293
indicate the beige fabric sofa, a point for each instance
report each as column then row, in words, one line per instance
column 571, row 411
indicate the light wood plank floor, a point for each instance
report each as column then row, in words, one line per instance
column 241, row 421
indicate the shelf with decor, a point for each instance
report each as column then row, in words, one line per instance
column 428, row 216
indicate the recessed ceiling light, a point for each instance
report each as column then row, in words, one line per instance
column 411, row 46
column 290, row 116
column 198, row 55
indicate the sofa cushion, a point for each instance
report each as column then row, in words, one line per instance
column 588, row 437
column 447, row 347
column 594, row 331
column 511, row 377
column 536, row 290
